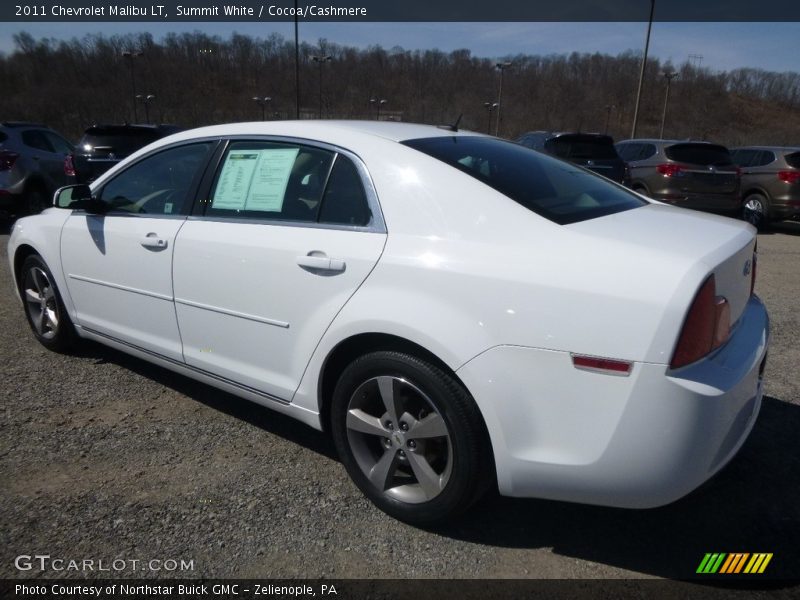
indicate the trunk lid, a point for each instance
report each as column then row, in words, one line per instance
column 698, row 244
column 707, row 168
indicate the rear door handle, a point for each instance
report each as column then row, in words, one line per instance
column 151, row 240
column 321, row 262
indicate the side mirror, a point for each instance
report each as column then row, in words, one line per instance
column 78, row 197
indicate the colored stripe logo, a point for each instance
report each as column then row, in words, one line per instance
column 733, row 563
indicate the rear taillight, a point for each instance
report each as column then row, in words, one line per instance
column 669, row 169
column 753, row 269
column 707, row 326
column 738, row 171
column 789, row 176
column 69, row 166
column 7, row 159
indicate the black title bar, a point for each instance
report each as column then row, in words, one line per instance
column 405, row 10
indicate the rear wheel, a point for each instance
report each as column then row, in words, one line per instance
column 411, row 437
column 43, row 306
column 755, row 210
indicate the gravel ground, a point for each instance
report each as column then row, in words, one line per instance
column 103, row 456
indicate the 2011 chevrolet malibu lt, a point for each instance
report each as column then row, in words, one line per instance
column 459, row 312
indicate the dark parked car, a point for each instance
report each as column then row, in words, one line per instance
column 698, row 175
column 103, row 146
column 31, row 166
column 591, row 150
column 770, row 183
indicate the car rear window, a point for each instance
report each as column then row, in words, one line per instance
column 120, row 141
column 699, row 154
column 583, row 146
column 549, row 187
column 793, row 160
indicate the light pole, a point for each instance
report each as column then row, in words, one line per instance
column 296, row 65
column 608, row 117
column 378, row 102
column 641, row 72
column 320, row 60
column 669, row 76
column 489, row 106
column 262, row 102
column 502, row 66
column 131, row 56
column 146, row 100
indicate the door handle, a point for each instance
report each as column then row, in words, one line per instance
column 151, row 240
column 321, row 262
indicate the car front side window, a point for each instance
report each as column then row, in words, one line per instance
column 158, row 184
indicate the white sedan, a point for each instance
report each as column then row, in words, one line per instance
column 459, row 312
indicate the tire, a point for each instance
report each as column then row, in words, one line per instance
column 755, row 210
column 44, row 307
column 428, row 463
column 36, row 200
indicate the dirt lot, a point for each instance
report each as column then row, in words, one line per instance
column 105, row 457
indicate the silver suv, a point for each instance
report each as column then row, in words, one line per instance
column 32, row 166
column 698, row 175
column 770, row 183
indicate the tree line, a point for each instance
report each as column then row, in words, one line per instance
column 200, row 79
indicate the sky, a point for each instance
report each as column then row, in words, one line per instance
column 723, row 46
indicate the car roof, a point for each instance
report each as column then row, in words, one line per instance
column 774, row 148
column 26, row 124
column 555, row 134
column 659, row 141
column 322, row 130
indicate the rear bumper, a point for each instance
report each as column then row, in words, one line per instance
column 720, row 202
column 788, row 209
column 637, row 442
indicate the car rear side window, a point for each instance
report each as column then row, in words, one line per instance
column 33, row 138
column 793, row 160
column 646, row 151
column 344, row 201
column 271, row 180
column 699, row 154
column 582, row 146
column 549, row 187
column 3, row 137
column 628, row 151
column 764, row 158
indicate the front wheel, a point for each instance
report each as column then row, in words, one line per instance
column 411, row 437
column 43, row 306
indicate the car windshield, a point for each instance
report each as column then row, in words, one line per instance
column 793, row 160
column 547, row 186
column 699, row 154
column 583, row 146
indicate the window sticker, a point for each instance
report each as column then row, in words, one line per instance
column 255, row 179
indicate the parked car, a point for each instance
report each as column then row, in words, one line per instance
column 457, row 311
column 103, row 146
column 770, row 183
column 698, row 175
column 31, row 166
column 594, row 151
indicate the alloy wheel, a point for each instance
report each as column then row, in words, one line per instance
column 41, row 303
column 399, row 439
